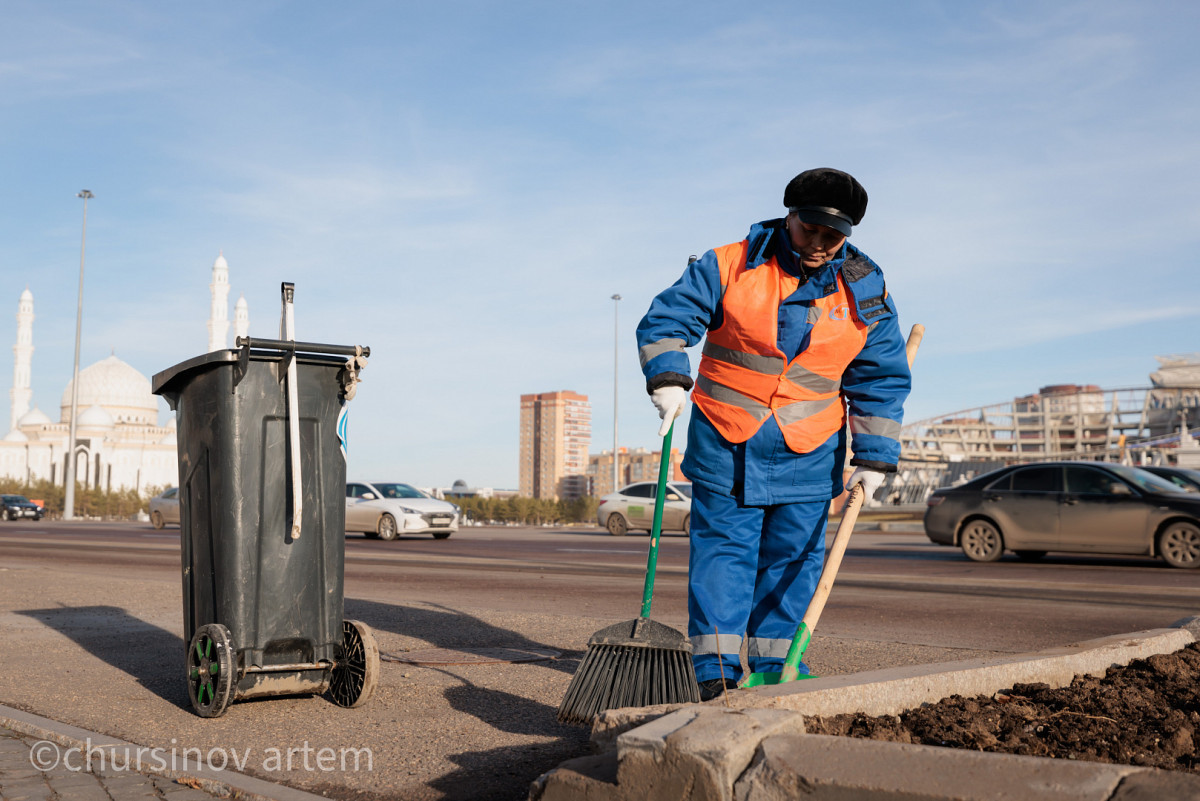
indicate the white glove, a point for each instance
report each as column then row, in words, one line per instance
column 870, row 480
column 669, row 401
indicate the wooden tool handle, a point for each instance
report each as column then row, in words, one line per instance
column 915, row 335
column 833, row 559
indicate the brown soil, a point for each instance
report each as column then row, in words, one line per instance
column 1146, row 713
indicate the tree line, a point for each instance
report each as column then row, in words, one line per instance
column 528, row 511
column 127, row 503
column 107, row 504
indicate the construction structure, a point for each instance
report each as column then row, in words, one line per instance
column 1153, row 424
column 556, row 431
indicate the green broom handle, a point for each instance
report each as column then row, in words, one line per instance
column 659, row 500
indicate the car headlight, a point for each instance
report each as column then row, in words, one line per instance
column 408, row 511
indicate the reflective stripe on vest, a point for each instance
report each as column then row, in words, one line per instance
column 744, row 377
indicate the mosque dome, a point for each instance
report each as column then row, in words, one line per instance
column 117, row 388
column 35, row 417
column 15, row 436
column 95, row 417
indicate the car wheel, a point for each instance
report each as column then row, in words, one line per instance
column 981, row 541
column 687, row 522
column 156, row 519
column 9, row 516
column 441, row 535
column 1179, row 545
column 1030, row 556
column 616, row 525
column 387, row 528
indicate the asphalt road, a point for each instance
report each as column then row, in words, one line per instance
column 91, row 617
column 926, row 594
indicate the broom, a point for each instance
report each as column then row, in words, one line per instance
column 636, row 662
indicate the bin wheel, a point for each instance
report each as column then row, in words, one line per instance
column 357, row 670
column 387, row 527
column 210, row 670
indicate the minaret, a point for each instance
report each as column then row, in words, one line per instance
column 21, row 392
column 241, row 318
column 218, row 320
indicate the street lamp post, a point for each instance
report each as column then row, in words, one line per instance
column 69, row 498
column 616, row 350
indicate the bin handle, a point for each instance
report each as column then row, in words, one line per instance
column 302, row 347
column 287, row 332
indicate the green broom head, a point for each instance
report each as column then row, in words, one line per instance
column 633, row 663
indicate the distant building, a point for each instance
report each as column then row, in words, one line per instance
column 556, row 432
column 636, row 465
column 118, row 442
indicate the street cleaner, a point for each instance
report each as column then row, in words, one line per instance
column 801, row 335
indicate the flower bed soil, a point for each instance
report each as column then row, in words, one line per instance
column 1146, row 713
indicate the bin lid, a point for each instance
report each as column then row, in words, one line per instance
column 167, row 381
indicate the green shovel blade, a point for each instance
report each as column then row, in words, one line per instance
column 791, row 664
column 766, row 679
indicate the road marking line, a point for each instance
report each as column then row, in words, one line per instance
column 593, row 550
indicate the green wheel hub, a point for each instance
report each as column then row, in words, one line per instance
column 210, row 670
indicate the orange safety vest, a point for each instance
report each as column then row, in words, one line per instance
column 744, row 377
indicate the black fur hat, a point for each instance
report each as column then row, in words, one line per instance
column 825, row 196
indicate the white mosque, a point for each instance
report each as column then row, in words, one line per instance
column 118, row 442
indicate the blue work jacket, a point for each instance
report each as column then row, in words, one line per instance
column 763, row 471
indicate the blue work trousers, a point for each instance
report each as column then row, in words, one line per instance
column 752, row 573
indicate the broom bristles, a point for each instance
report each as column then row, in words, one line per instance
column 612, row 676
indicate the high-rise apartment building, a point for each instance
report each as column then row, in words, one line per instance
column 556, row 431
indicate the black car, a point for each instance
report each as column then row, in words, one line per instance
column 18, row 507
column 1082, row 507
column 1181, row 476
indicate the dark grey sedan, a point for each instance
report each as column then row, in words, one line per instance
column 1081, row 507
column 18, row 507
column 1183, row 477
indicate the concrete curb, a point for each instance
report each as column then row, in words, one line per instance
column 218, row 782
column 755, row 748
column 893, row 690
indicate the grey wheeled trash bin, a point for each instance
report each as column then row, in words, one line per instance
column 263, row 598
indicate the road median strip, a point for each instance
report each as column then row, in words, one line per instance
column 751, row 745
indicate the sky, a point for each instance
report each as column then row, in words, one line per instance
column 463, row 186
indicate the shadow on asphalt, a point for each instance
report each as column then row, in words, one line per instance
column 503, row 773
column 152, row 655
column 447, row 628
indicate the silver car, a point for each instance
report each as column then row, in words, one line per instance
column 386, row 509
column 164, row 508
column 1081, row 507
column 632, row 507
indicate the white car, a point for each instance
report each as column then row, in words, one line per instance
column 164, row 508
column 632, row 507
column 385, row 510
